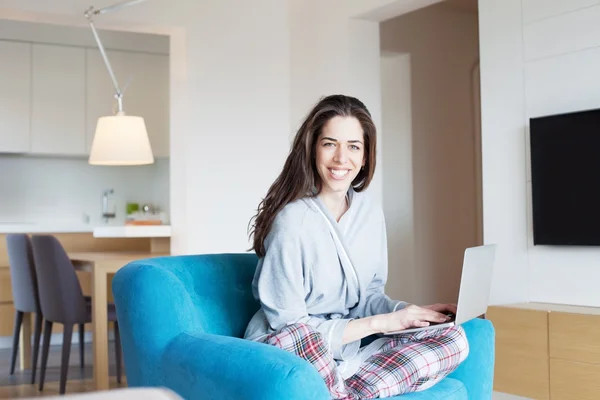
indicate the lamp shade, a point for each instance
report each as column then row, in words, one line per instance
column 121, row 140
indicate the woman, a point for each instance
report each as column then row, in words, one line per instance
column 322, row 267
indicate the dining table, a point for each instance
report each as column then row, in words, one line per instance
column 100, row 265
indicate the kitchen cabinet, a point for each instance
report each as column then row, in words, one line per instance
column 144, row 79
column 15, row 96
column 51, row 96
column 58, row 102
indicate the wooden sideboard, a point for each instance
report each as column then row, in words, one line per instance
column 547, row 351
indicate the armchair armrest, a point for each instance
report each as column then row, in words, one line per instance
column 477, row 371
column 201, row 365
column 153, row 307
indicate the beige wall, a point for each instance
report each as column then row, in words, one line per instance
column 443, row 47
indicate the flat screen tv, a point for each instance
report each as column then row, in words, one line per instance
column 565, row 178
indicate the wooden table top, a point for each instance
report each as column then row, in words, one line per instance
column 113, row 255
column 110, row 259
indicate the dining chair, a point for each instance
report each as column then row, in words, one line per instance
column 25, row 294
column 62, row 301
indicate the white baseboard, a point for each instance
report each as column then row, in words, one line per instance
column 506, row 396
column 56, row 338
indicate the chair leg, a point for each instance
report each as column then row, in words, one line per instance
column 36, row 344
column 118, row 355
column 66, row 352
column 81, row 345
column 45, row 348
column 17, row 330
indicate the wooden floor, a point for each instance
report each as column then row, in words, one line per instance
column 79, row 380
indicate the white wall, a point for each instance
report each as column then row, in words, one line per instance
column 443, row 48
column 331, row 54
column 238, row 88
column 503, row 141
column 538, row 58
column 238, row 92
column 62, row 192
column 562, row 60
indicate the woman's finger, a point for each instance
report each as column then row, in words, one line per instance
column 441, row 308
column 452, row 308
column 438, row 307
column 433, row 316
column 434, row 307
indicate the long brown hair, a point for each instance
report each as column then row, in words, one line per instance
column 299, row 177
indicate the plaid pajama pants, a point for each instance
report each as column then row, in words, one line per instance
column 400, row 364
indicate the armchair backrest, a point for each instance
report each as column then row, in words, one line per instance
column 162, row 298
column 222, row 292
column 210, row 293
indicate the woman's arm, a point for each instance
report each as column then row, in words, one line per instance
column 411, row 316
column 357, row 329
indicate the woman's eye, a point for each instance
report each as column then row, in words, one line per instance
column 354, row 147
column 328, row 144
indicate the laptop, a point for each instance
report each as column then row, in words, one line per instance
column 475, row 285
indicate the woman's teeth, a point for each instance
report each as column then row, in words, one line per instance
column 339, row 172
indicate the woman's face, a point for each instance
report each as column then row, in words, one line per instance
column 340, row 154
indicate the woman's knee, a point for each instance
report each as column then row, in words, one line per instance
column 459, row 341
column 295, row 333
column 302, row 329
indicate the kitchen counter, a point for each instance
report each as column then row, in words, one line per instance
column 104, row 231
column 133, row 231
column 44, row 228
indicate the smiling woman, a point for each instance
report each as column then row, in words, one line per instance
column 322, row 267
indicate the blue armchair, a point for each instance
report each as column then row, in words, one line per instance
column 182, row 317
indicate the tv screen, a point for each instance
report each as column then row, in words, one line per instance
column 565, row 178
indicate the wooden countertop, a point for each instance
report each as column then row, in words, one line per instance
column 131, row 231
column 112, row 260
column 113, row 255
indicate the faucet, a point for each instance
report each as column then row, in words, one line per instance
column 105, row 214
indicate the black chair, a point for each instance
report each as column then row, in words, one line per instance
column 62, row 301
column 25, row 294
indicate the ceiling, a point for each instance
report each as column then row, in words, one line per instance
column 465, row 5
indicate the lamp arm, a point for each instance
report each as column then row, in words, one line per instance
column 118, row 94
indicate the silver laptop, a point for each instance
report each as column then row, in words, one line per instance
column 475, row 284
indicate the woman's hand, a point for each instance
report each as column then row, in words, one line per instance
column 442, row 308
column 412, row 317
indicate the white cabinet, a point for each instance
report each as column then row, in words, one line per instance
column 144, row 78
column 15, row 96
column 51, row 96
column 58, row 103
